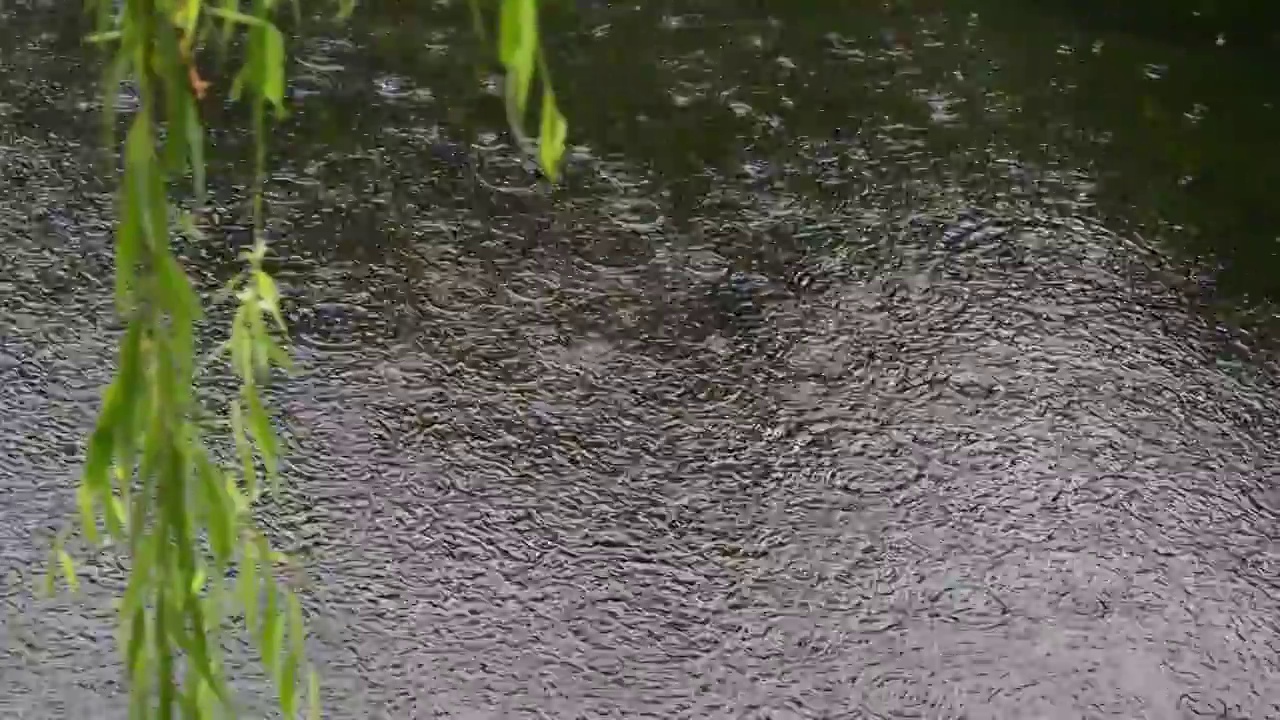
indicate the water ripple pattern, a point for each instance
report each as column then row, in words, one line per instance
column 839, row 425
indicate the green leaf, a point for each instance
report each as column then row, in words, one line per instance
column 269, row 297
column 128, row 250
column 117, row 522
column 137, row 640
column 260, row 338
column 68, row 567
column 88, row 513
column 172, row 72
column 313, row 696
column 518, row 38
column 127, row 389
column 101, row 38
column 195, row 148
column 113, row 434
column 247, row 585
column 229, row 13
column 552, row 136
column 273, row 72
column 289, row 686
column 221, row 518
column 238, row 83
column 279, row 356
column 180, row 296
column 269, row 639
column 140, row 173
column 164, row 656
column 242, row 344
column 198, row 580
column 183, row 306
column 197, row 648
column 263, row 434
column 244, row 450
column 229, row 9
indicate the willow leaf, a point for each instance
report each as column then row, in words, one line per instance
column 552, row 136
column 518, row 38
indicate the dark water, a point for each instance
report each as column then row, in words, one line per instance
column 871, row 363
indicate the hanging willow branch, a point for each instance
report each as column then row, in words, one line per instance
column 198, row 562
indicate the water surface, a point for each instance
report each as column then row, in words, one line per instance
column 869, row 364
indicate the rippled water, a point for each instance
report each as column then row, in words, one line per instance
column 889, row 421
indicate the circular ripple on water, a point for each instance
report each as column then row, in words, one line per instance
column 988, row 467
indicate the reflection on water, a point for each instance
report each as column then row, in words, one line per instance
column 829, row 386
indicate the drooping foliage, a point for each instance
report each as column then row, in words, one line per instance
column 152, row 489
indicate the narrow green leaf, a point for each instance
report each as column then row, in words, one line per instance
column 260, row 428
column 68, row 569
column 260, row 338
column 518, row 38
column 221, row 517
column 127, row 390
column 179, row 294
column 115, row 425
column 229, row 9
column 139, row 172
column 280, row 357
column 192, row 17
column 242, row 344
column 244, row 450
column 289, row 686
column 229, row 13
column 195, row 148
column 271, row 634
column 313, row 696
column 101, row 38
column 171, row 70
column 239, row 82
column 189, row 697
column 97, row 465
column 197, row 648
column 88, row 512
column 136, row 640
column 164, row 654
column 117, row 522
column 552, row 136
column 184, row 309
column 273, row 72
column 240, row 502
column 269, row 297
column 517, row 32
column 139, row 578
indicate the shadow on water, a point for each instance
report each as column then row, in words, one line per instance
column 838, row 380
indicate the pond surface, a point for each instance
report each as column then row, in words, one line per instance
column 870, row 363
